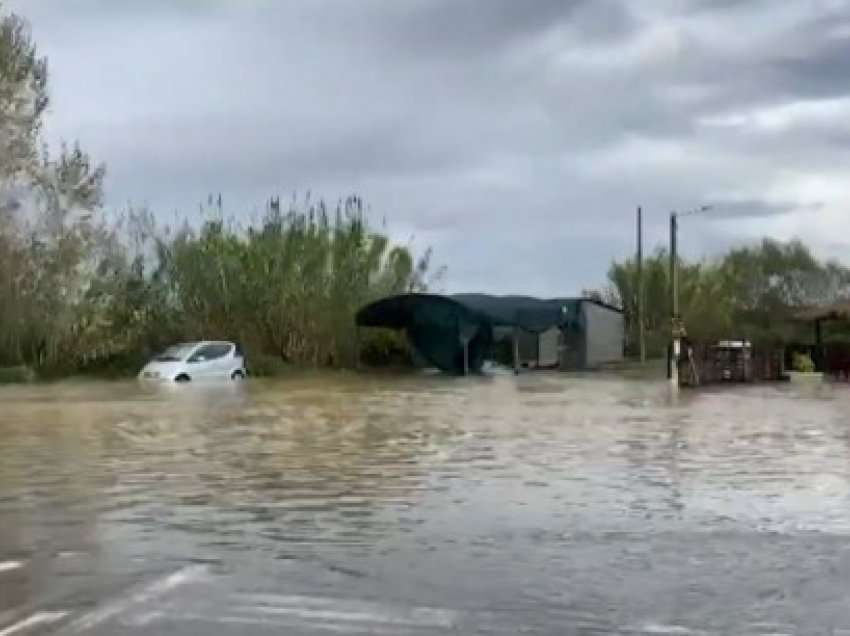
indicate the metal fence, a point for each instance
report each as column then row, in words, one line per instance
column 704, row 363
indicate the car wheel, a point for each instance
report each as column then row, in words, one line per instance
column 237, row 375
column 182, row 378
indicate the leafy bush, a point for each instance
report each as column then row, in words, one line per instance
column 802, row 362
column 384, row 347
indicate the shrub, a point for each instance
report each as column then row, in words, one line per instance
column 802, row 362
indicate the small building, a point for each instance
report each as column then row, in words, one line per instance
column 457, row 333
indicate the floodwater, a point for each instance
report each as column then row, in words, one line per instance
column 345, row 504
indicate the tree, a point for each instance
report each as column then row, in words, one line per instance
column 48, row 238
column 23, row 100
column 750, row 292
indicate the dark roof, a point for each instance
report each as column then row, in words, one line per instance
column 398, row 312
column 839, row 310
column 532, row 314
column 503, row 310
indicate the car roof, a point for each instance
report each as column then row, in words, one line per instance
column 201, row 343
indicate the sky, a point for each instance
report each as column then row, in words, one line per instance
column 514, row 138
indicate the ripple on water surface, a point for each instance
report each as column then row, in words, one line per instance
column 536, row 501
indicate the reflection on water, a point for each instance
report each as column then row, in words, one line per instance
column 546, row 503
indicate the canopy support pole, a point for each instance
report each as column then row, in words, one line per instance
column 465, row 356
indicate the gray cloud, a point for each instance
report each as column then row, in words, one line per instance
column 534, row 127
column 755, row 208
column 822, row 71
column 450, row 28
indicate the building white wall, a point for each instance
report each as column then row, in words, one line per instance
column 604, row 334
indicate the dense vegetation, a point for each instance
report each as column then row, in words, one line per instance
column 287, row 287
column 750, row 292
column 80, row 293
column 90, row 296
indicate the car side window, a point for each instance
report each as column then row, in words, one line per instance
column 210, row 352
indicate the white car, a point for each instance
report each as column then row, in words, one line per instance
column 197, row 361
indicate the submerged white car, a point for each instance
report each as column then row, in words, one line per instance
column 197, row 361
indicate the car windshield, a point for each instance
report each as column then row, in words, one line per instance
column 176, row 353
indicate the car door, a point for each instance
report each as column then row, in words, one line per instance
column 223, row 360
column 202, row 363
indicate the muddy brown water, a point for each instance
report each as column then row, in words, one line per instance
column 355, row 504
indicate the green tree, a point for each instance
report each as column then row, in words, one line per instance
column 48, row 236
column 750, row 292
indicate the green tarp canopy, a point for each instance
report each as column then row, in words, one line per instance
column 527, row 313
column 438, row 326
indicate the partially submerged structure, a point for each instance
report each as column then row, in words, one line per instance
column 831, row 357
column 729, row 361
column 457, row 333
column 443, row 331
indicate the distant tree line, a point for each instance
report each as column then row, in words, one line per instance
column 749, row 292
column 80, row 293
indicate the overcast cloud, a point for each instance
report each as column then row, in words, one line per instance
column 516, row 138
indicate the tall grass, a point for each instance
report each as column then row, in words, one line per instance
column 286, row 286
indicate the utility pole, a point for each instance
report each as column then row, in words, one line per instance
column 640, row 318
column 674, row 302
column 674, row 262
column 677, row 328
